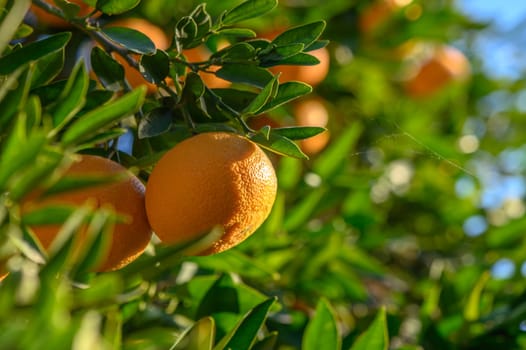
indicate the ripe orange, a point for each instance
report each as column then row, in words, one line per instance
column 50, row 20
column 312, row 112
column 126, row 196
column 199, row 54
column 155, row 33
column 211, row 179
column 446, row 64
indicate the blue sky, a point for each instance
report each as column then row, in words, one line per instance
column 502, row 46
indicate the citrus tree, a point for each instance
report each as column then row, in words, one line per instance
column 253, row 175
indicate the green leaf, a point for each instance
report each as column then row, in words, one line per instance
column 305, row 34
column 156, row 122
column 238, row 52
column 116, row 7
column 299, row 132
column 268, row 92
column 186, row 33
column 104, row 116
column 48, row 215
column 247, row 10
column 72, row 98
column 199, row 336
column 299, row 59
column 376, row 336
column 278, row 144
column 156, row 67
column 11, row 23
column 328, row 162
column 472, row 307
column 33, row 51
column 109, row 72
column 238, row 32
column 47, row 68
column 322, row 330
column 267, row 343
column 287, row 92
column 245, row 332
column 131, row 39
column 19, row 153
column 202, row 19
column 245, row 74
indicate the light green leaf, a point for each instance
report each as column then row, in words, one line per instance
column 104, row 117
column 11, row 22
column 322, row 330
column 200, row 336
column 72, row 98
column 376, row 336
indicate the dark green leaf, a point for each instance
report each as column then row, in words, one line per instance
column 186, row 33
column 299, row 59
column 267, row 343
column 155, row 122
column 31, row 52
column 156, row 67
column 131, row 39
column 263, row 97
column 299, row 132
column 278, row 144
column 116, row 7
column 375, row 337
column 305, row 34
column 244, row 334
column 322, row 330
column 104, row 116
column 47, row 68
column 245, row 74
column 287, row 92
column 247, row 10
column 109, row 72
column 239, row 52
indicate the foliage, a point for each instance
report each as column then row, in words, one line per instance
column 365, row 247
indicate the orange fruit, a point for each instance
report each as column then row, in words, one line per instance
column 156, row 35
column 199, row 54
column 312, row 112
column 446, row 64
column 209, row 180
column 126, row 196
column 51, row 20
column 375, row 15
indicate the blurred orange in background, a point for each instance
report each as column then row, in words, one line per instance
column 312, row 112
column 444, row 65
